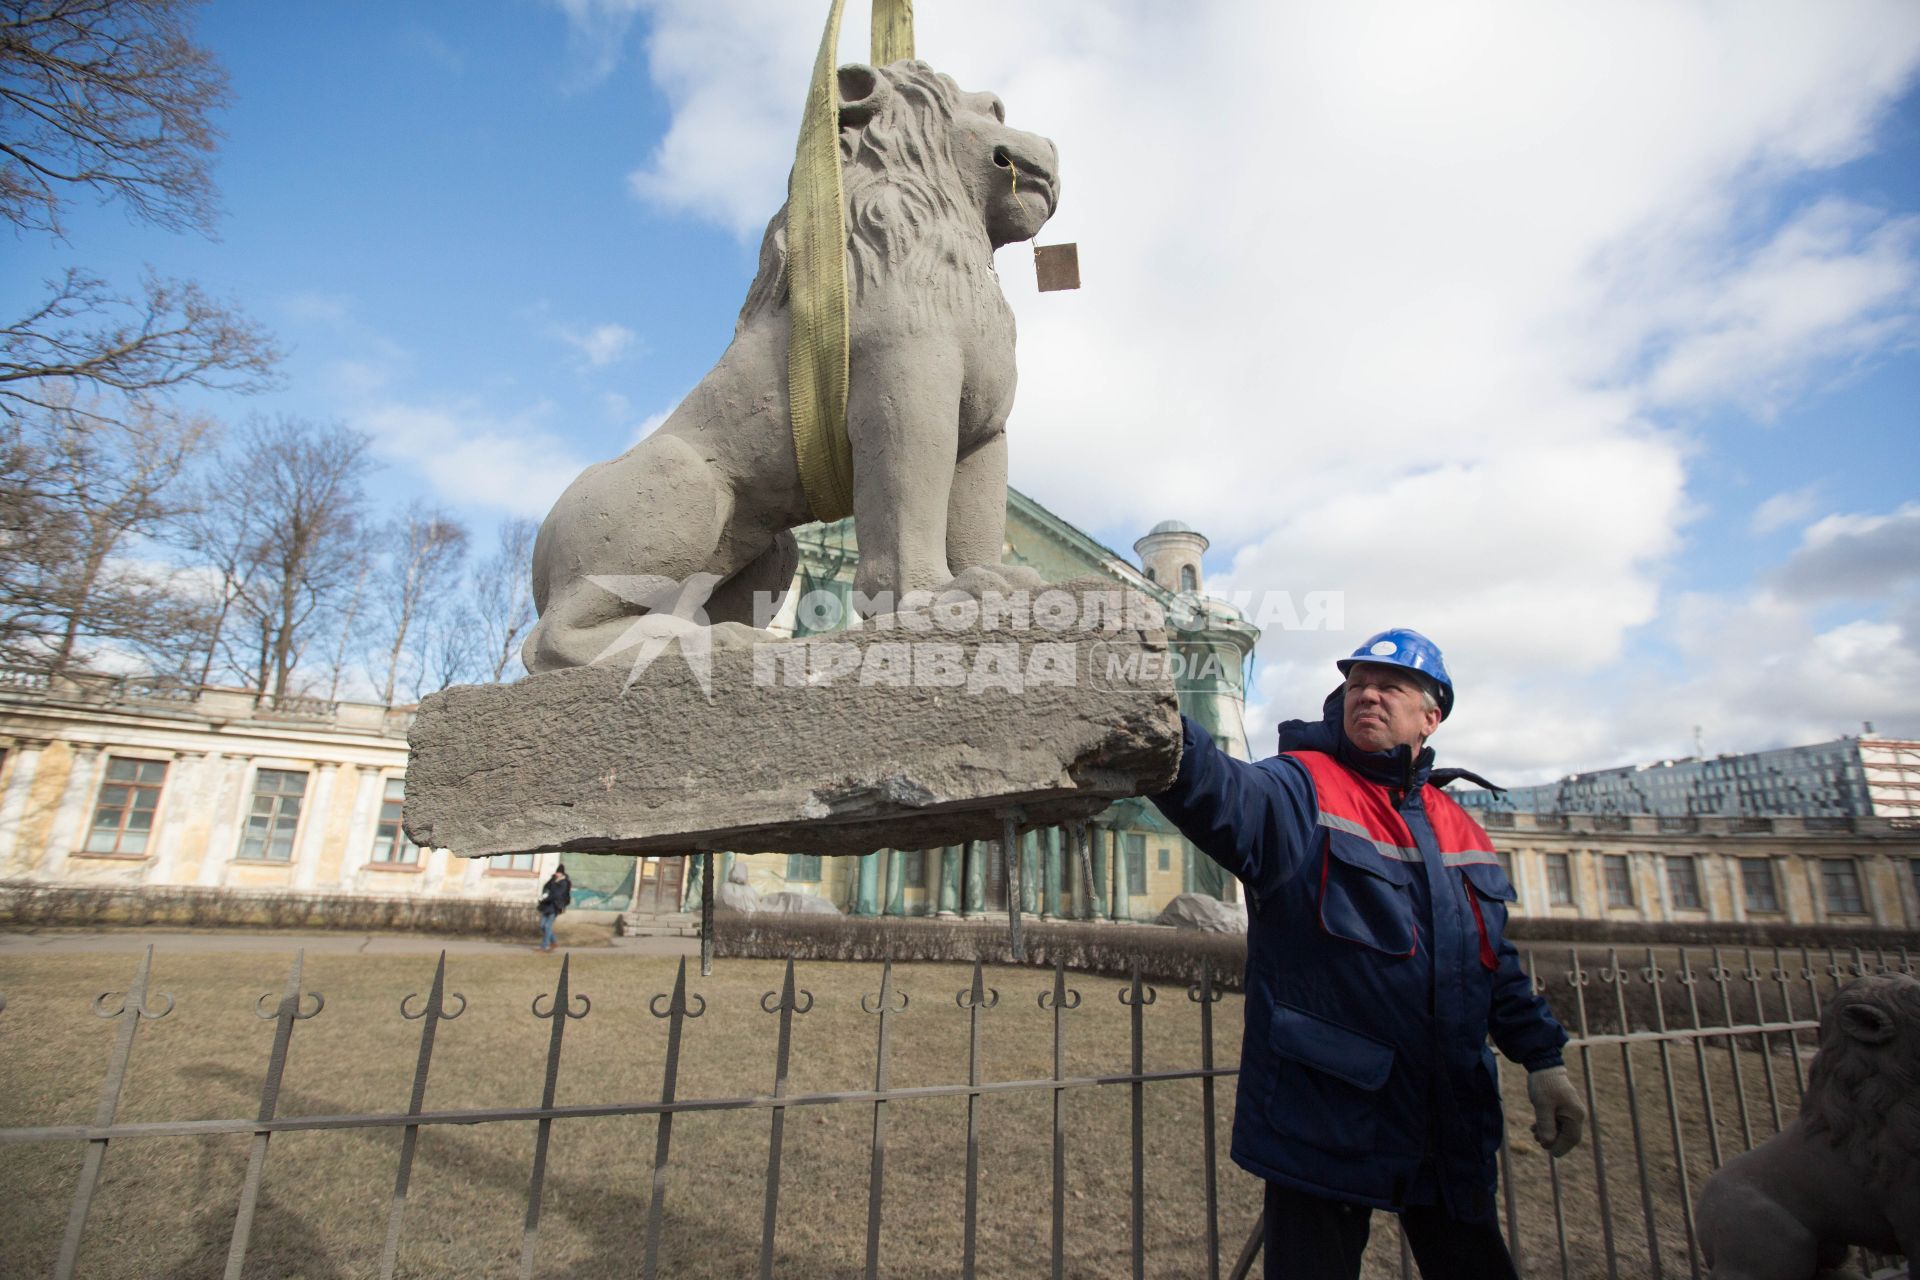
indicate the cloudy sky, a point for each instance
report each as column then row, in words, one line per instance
column 1581, row 337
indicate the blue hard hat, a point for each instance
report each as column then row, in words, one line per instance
column 1405, row 647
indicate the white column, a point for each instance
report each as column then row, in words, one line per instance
column 1660, row 885
column 228, row 794
column 1646, row 897
column 434, row 877
column 1908, row 887
column 1737, row 889
column 69, row 821
column 1815, row 902
column 361, row 825
column 313, row 836
column 185, row 775
column 13, row 805
column 1868, row 881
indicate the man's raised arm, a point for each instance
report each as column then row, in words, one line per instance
column 1255, row 819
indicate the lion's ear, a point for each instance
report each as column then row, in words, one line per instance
column 862, row 90
column 1867, row 1023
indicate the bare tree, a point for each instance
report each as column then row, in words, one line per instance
column 503, row 596
column 84, row 334
column 450, row 649
column 221, row 529
column 307, row 536
column 83, row 494
column 112, row 98
column 425, row 551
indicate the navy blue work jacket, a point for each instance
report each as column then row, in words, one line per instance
column 1375, row 971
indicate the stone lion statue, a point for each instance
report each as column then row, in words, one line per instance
column 1847, row 1170
column 934, row 182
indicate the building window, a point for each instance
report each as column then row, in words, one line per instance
column 123, row 815
column 1683, row 883
column 803, row 868
column 514, row 862
column 1618, row 873
column 1756, row 881
column 1559, row 880
column 390, row 843
column 1914, row 867
column 1506, row 865
column 276, row 816
column 1136, row 863
column 1166, row 860
column 1189, row 581
column 1842, row 880
column 916, row 872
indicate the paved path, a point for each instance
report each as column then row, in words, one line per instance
column 16, row 942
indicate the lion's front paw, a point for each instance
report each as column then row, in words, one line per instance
column 737, row 635
column 982, row 580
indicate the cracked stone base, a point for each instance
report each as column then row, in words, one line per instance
column 905, row 738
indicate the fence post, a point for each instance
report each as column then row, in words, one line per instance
column 790, row 1003
column 431, row 1014
column 285, row 1015
column 131, row 1010
column 975, row 1000
column 883, row 1005
column 560, row 1011
column 677, row 1012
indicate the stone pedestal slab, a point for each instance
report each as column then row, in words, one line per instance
column 910, row 732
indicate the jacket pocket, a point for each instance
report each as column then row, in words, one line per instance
column 1326, row 1082
column 1488, row 893
column 1363, row 895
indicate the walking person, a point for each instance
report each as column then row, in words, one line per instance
column 1377, row 968
column 555, row 896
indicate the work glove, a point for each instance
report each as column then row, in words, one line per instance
column 1557, row 1113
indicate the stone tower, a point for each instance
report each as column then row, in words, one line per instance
column 1170, row 555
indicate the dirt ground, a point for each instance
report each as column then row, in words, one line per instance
column 166, row 1204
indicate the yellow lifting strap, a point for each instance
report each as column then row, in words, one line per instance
column 892, row 31
column 818, row 331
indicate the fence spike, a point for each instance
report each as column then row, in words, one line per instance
column 131, row 1010
column 882, row 1005
column 288, row 1012
column 790, row 1003
column 431, row 1014
column 560, row 1012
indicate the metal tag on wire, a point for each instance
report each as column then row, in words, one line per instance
column 1057, row 265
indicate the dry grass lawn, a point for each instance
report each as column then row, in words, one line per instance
column 166, row 1205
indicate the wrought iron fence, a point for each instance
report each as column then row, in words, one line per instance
column 1739, row 1041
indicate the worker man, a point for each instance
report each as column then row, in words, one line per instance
column 1377, row 966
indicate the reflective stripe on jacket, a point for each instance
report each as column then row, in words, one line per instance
column 1377, row 966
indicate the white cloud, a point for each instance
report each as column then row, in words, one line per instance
column 1789, row 507
column 1403, row 299
column 1855, row 556
column 598, row 32
column 471, row 457
column 601, row 345
column 1835, row 282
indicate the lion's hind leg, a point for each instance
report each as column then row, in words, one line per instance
column 628, row 539
column 1745, row 1234
column 755, row 592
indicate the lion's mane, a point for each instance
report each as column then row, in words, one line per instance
column 1866, row 1099
column 903, row 217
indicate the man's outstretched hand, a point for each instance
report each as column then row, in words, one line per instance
column 1557, row 1113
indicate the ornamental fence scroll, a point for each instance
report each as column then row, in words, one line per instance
column 1593, row 1214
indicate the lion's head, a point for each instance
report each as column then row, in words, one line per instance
column 1863, row 1092
column 934, row 180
